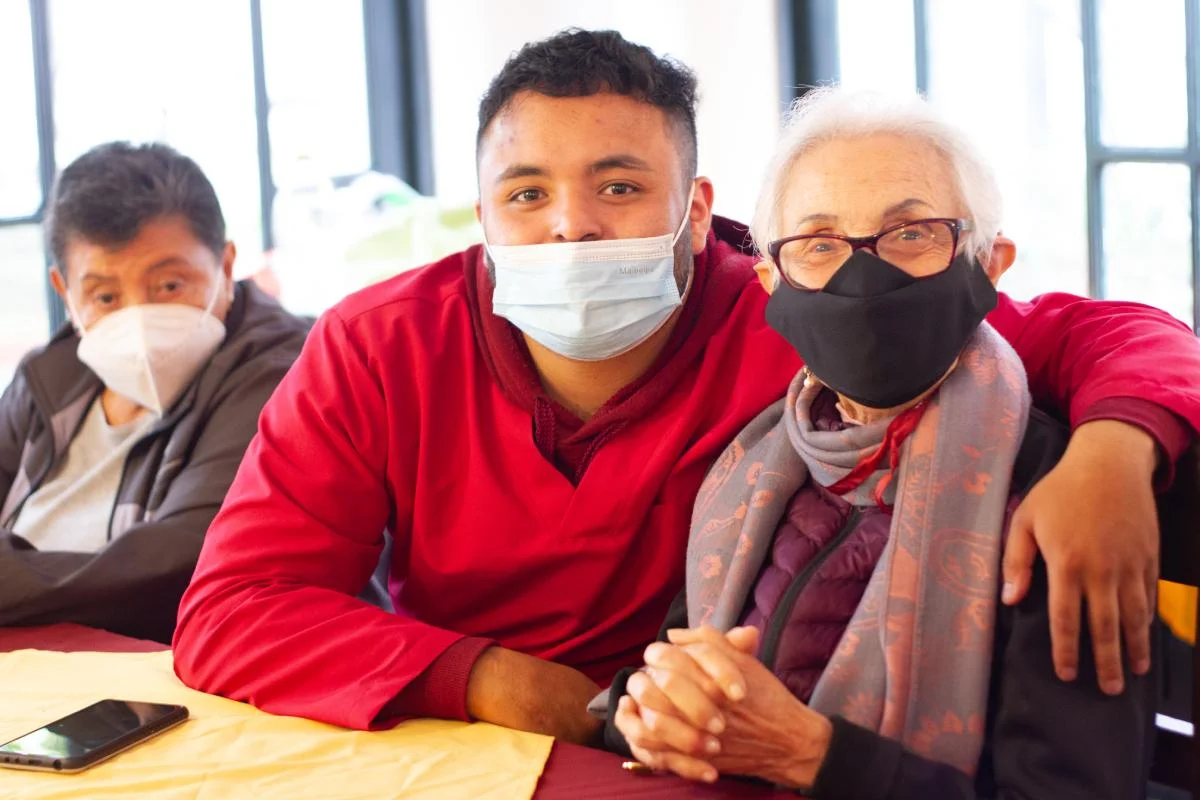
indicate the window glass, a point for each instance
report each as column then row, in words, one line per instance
column 876, row 45
column 20, row 185
column 1143, row 72
column 1147, row 235
column 180, row 72
column 315, row 64
column 24, row 321
column 1018, row 94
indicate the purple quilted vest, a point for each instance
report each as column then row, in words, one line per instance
column 819, row 566
column 825, row 552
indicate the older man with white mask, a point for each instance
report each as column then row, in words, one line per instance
column 119, row 439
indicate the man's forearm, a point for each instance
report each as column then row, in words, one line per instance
column 1172, row 434
column 1103, row 437
column 526, row 693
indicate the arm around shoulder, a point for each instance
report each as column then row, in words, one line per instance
column 1079, row 352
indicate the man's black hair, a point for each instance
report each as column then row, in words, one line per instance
column 110, row 192
column 580, row 63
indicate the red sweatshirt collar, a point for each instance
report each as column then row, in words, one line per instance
column 721, row 272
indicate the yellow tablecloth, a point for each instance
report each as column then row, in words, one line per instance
column 229, row 750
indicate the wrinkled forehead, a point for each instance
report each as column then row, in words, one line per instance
column 158, row 245
column 95, row 270
column 856, row 183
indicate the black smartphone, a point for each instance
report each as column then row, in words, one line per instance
column 89, row 736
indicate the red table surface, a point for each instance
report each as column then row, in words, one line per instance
column 571, row 773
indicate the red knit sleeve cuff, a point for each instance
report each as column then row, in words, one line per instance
column 440, row 692
column 1169, row 430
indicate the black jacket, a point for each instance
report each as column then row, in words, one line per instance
column 174, row 479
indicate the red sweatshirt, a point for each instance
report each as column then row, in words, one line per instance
column 395, row 417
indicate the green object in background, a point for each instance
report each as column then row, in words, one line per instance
column 333, row 242
column 410, row 230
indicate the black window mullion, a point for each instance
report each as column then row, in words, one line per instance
column 1195, row 198
column 808, row 51
column 1192, row 21
column 262, row 107
column 39, row 26
column 398, row 91
column 1093, row 148
column 921, row 44
column 13, row 222
column 1144, row 155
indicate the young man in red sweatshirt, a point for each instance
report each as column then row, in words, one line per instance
column 531, row 421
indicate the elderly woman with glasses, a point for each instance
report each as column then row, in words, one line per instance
column 840, row 632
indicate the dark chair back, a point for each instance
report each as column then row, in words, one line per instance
column 1177, row 756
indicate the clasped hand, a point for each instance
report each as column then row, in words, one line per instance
column 704, row 706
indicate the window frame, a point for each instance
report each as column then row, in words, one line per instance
column 807, row 60
column 397, row 107
column 40, row 31
column 1100, row 155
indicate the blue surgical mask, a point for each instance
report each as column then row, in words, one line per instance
column 589, row 301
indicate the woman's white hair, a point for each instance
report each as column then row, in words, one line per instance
column 831, row 113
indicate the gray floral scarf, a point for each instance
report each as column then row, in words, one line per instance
column 915, row 661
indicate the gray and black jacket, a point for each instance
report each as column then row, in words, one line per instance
column 174, row 479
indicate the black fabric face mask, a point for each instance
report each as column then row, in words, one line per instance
column 878, row 335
